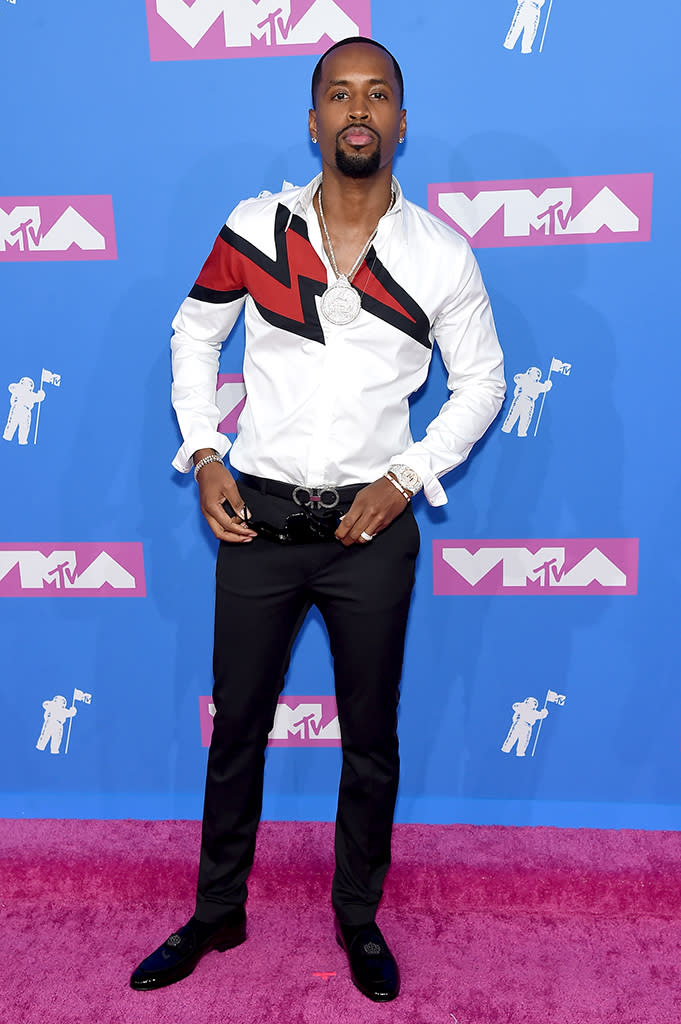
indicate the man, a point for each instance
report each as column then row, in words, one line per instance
column 345, row 285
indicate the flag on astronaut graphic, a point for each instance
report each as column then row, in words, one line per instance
column 85, row 697
column 47, row 377
column 555, row 698
column 559, row 367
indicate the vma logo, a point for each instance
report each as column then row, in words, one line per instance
column 298, row 722
column 547, row 211
column 57, row 228
column 73, row 570
column 230, row 398
column 603, row 566
column 205, row 29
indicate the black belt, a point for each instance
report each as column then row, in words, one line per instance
column 323, row 496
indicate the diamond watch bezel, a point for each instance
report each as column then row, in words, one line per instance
column 407, row 477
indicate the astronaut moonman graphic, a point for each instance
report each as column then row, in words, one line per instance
column 528, row 387
column 20, row 408
column 525, row 20
column 525, row 714
column 56, row 713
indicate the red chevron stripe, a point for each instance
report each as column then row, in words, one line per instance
column 221, row 270
column 367, row 284
column 227, row 269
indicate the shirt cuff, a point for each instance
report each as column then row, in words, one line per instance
column 184, row 461
column 432, row 488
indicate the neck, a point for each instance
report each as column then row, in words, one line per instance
column 356, row 202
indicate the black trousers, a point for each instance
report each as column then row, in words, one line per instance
column 264, row 590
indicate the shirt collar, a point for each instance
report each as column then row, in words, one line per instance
column 396, row 213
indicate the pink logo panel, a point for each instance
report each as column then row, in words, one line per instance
column 214, row 29
column 547, row 211
column 72, row 570
column 37, row 228
column 298, row 722
column 595, row 566
column 231, row 398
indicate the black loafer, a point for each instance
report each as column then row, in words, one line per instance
column 372, row 965
column 179, row 955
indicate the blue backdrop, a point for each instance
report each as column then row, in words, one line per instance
column 164, row 135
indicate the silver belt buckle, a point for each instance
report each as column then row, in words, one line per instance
column 316, row 497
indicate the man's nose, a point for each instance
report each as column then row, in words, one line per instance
column 359, row 113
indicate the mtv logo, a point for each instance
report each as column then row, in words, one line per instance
column 230, row 398
column 306, row 722
column 573, row 566
column 214, row 29
column 57, row 228
column 73, row 570
column 547, row 211
column 298, row 722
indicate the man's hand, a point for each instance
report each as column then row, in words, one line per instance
column 373, row 509
column 216, row 484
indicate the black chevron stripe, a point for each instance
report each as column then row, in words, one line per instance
column 279, row 269
column 416, row 324
column 199, row 291
column 413, row 322
column 311, row 327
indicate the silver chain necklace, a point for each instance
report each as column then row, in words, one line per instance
column 341, row 302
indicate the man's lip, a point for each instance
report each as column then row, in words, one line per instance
column 362, row 136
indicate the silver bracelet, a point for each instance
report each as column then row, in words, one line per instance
column 398, row 486
column 204, row 462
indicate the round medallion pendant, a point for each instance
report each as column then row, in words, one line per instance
column 341, row 302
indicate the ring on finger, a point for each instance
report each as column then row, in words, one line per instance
column 366, row 536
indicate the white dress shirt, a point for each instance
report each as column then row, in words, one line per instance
column 328, row 404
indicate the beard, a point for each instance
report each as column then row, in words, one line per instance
column 358, row 165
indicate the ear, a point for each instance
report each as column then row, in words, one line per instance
column 403, row 123
column 312, row 123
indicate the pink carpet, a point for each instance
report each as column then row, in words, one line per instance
column 490, row 925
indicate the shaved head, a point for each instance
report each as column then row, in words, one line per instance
column 317, row 73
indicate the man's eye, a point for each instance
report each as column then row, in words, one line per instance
column 341, row 94
column 377, row 94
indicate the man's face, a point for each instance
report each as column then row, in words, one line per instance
column 357, row 119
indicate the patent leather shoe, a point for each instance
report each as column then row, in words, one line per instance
column 372, row 965
column 179, row 954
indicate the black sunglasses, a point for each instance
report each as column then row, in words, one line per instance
column 304, row 527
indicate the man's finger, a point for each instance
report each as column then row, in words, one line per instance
column 234, row 524
column 346, row 524
column 348, row 530
column 364, row 531
column 352, row 534
column 238, row 510
column 233, row 530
